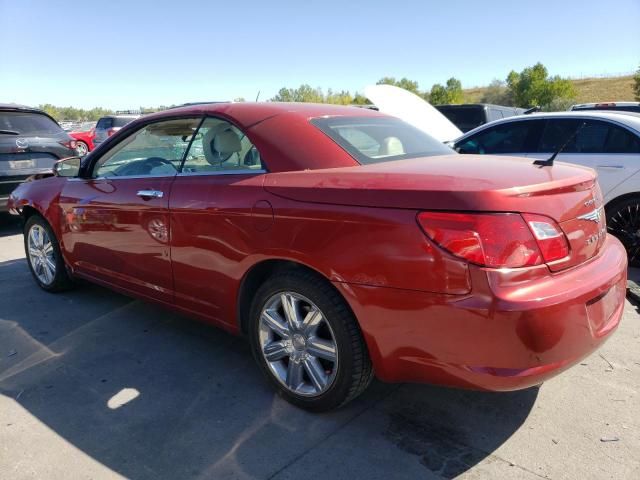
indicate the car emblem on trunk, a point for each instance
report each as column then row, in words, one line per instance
column 21, row 143
column 593, row 216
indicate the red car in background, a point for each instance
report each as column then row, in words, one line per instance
column 84, row 138
column 343, row 242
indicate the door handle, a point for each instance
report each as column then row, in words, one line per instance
column 609, row 166
column 150, row 193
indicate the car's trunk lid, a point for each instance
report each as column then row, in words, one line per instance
column 567, row 193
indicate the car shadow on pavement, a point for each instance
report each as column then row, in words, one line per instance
column 151, row 394
column 9, row 224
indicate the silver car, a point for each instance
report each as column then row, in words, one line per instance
column 110, row 124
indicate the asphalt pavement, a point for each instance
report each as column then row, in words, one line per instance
column 97, row 385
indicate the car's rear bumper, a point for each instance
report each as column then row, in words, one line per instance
column 510, row 332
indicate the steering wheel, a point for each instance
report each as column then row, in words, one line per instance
column 141, row 167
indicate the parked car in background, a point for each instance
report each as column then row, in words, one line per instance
column 471, row 115
column 110, row 124
column 606, row 141
column 610, row 106
column 30, row 143
column 84, row 136
column 343, row 242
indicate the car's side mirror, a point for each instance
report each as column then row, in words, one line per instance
column 468, row 147
column 67, row 167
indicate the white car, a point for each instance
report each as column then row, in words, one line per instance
column 605, row 141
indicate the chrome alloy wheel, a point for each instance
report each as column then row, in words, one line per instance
column 41, row 254
column 298, row 344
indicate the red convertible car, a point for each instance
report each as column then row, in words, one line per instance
column 84, row 138
column 342, row 242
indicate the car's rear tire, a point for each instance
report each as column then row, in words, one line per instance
column 307, row 342
column 44, row 257
column 623, row 222
column 81, row 148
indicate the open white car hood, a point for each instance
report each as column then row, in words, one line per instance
column 414, row 110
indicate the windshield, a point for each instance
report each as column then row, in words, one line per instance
column 380, row 139
column 28, row 123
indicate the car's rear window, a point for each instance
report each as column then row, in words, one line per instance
column 104, row 123
column 122, row 121
column 28, row 123
column 616, row 108
column 380, row 139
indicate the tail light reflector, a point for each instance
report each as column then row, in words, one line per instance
column 497, row 240
column 111, row 131
column 551, row 240
column 69, row 144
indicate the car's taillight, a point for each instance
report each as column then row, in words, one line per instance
column 111, row 131
column 551, row 240
column 69, row 144
column 497, row 240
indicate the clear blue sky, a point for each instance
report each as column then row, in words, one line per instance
column 124, row 54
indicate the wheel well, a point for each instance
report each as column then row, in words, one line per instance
column 257, row 275
column 28, row 212
column 622, row 198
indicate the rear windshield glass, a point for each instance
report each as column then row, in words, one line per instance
column 380, row 139
column 28, row 123
column 619, row 108
column 122, row 121
column 105, row 123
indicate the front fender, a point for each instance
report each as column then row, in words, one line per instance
column 42, row 196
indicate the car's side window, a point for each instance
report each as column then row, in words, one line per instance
column 505, row 138
column 620, row 140
column 220, row 147
column 155, row 150
column 557, row 132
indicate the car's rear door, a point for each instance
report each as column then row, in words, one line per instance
column 612, row 150
column 218, row 216
column 117, row 221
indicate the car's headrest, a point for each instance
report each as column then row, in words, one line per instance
column 391, row 146
column 226, row 143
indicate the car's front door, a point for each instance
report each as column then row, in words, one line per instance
column 218, row 216
column 116, row 223
column 513, row 138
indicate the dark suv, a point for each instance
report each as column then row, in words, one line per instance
column 110, row 124
column 30, row 143
column 471, row 115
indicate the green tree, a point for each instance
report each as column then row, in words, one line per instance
column 449, row 93
column 438, row 95
column 533, row 86
column 636, row 84
column 304, row 93
column 339, row 98
column 404, row 82
column 497, row 93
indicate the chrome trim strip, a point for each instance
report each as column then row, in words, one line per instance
column 224, row 172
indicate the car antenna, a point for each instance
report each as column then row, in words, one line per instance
column 258, row 95
column 549, row 162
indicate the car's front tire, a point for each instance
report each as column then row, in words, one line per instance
column 307, row 342
column 44, row 257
